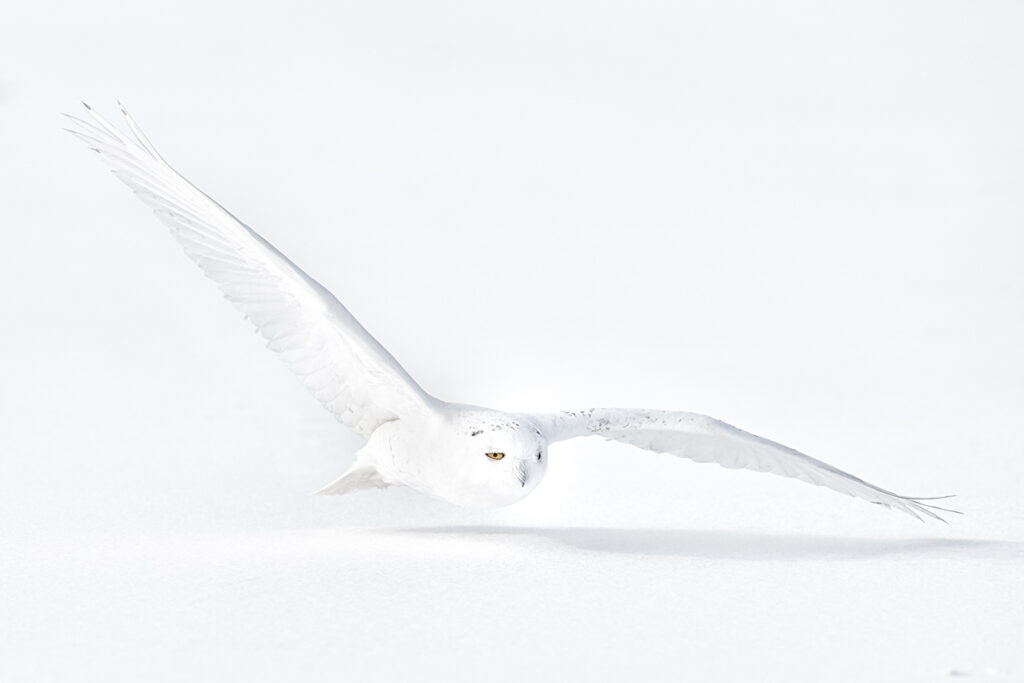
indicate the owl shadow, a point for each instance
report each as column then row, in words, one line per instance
column 737, row 545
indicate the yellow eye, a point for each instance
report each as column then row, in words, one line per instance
column 495, row 456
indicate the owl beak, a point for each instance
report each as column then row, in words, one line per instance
column 522, row 474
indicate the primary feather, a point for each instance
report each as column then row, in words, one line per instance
column 348, row 371
column 704, row 439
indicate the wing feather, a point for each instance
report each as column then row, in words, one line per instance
column 704, row 439
column 345, row 368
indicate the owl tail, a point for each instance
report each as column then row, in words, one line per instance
column 358, row 478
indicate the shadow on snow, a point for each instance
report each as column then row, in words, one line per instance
column 728, row 544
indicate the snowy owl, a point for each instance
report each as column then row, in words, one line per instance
column 462, row 454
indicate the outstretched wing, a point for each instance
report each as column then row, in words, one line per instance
column 705, row 439
column 348, row 371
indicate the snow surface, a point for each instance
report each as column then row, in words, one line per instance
column 804, row 220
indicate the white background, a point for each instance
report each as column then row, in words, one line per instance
column 802, row 218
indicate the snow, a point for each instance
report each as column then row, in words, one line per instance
column 803, row 220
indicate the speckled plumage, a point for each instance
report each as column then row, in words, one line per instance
column 413, row 438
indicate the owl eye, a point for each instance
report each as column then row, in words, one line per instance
column 495, row 456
